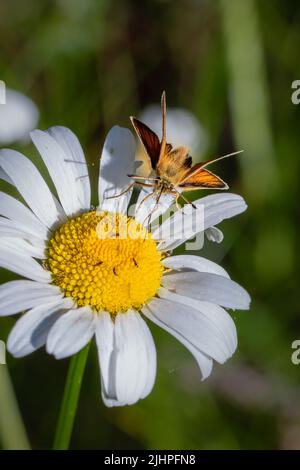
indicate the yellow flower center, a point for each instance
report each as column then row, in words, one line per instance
column 104, row 260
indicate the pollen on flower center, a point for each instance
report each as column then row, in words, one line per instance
column 104, row 260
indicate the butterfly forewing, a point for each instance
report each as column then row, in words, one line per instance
column 149, row 140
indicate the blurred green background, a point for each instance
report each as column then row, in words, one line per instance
column 89, row 65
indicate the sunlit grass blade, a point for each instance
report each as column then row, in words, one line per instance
column 249, row 96
column 12, row 430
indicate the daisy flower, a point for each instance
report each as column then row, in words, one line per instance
column 83, row 279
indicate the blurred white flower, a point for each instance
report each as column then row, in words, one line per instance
column 183, row 128
column 18, row 116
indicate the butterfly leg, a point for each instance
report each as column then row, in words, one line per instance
column 82, row 176
column 178, row 195
column 137, row 177
column 188, row 202
column 176, row 200
column 135, row 183
column 154, row 208
column 123, row 192
column 143, row 185
column 145, row 198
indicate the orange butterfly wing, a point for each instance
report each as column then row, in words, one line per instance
column 198, row 178
column 149, row 140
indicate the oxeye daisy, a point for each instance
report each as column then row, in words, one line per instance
column 85, row 278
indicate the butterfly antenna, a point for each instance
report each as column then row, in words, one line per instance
column 164, row 115
column 209, row 162
column 164, row 130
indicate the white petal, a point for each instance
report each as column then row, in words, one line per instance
column 71, row 332
column 194, row 262
column 208, row 287
column 21, row 215
column 4, row 176
column 24, row 265
column 12, row 240
column 197, row 329
column 136, row 358
column 31, row 330
column 218, row 207
column 214, row 234
column 205, row 363
column 76, row 159
column 16, row 296
column 127, row 358
column 105, row 345
column 59, row 169
column 28, row 247
column 11, row 230
column 213, row 312
column 31, row 186
column 184, row 224
column 148, row 209
column 117, row 161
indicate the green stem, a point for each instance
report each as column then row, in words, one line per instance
column 12, row 431
column 70, row 399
